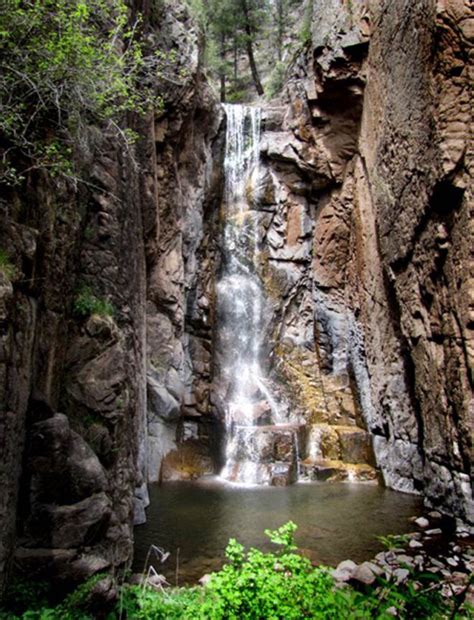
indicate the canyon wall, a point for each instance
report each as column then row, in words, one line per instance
column 370, row 146
column 96, row 281
column 363, row 205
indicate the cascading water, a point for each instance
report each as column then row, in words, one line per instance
column 260, row 447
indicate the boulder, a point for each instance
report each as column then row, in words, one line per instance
column 344, row 571
column 366, row 573
column 160, row 402
column 64, row 467
column 69, row 526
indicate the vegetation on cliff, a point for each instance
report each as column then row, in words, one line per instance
column 64, row 65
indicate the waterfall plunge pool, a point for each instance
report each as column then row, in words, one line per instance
column 336, row 521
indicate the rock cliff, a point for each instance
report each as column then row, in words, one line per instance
column 370, row 144
column 363, row 205
column 93, row 294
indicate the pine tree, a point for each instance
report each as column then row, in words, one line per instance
column 229, row 27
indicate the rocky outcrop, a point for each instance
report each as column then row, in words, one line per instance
column 180, row 250
column 91, row 268
column 370, row 146
column 416, row 162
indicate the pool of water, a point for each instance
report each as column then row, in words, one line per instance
column 194, row 521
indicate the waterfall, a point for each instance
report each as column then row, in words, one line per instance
column 257, row 446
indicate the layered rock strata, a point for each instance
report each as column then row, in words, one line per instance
column 74, row 429
column 370, row 145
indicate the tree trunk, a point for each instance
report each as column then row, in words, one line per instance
column 222, row 68
column 249, row 47
column 236, row 60
column 280, row 29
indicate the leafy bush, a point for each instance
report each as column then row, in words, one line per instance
column 252, row 585
column 276, row 80
column 63, row 65
column 30, row 600
column 22, row 595
column 87, row 304
column 269, row 586
column 6, row 266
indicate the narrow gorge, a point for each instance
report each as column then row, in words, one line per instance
column 287, row 284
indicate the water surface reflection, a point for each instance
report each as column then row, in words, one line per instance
column 335, row 521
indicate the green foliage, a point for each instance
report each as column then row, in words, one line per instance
column 230, row 27
column 284, row 536
column 87, row 304
column 6, row 266
column 254, row 585
column 276, row 80
column 419, row 597
column 30, row 600
column 305, row 31
column 22, row 595
column 142, row 603
column 64, row 64
column 237, row 96
column 392, row 541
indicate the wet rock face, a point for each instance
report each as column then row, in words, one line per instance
column 180, row 250
column 370, row 146
column 132, row 236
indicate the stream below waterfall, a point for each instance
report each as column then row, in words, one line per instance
column 335, row 522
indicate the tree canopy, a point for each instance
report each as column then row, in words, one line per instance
column 233, row 28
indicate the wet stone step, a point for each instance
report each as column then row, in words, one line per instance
column 254, row 472
column 264, row 444
column 337, row 471
column 349, row 444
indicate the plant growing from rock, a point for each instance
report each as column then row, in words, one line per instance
column 66, row 64
column 6, row 266
column 86, row 303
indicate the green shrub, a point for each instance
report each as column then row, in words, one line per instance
column 276, row 80
column 22, row 595
column 268, row 586
column 87, row 304
column 6, row 266
column 65, row 64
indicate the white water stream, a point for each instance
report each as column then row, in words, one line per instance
column 253, row 419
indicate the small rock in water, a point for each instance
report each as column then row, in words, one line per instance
column 401, row 574
column 365, row 573
column 435, row 532
column 344, row 571
column 414, row 544
column 422, row 522
column 452, row 562
column 434, row 514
